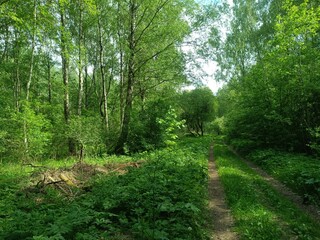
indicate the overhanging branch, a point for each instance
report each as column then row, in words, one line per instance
column 144, row 62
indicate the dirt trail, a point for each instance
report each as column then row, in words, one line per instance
column 219, row 212
column 312, row 210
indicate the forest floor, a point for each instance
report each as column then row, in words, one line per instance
column 158, row 195
column 150, row 195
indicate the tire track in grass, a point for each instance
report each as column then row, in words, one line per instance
column 260, row 211
column 219, row 211
column 312, row 210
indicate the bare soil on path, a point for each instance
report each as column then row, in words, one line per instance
column 220, row 214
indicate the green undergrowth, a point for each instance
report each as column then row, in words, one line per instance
column 299, row 172
column 165, row 198
column 259, row 210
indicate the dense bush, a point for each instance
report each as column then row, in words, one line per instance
column 155, row 126
column 25, row 135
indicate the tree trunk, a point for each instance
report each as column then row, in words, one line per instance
column 86, row 76
column 6, row 44
column 202, row 128
column 65, row 67
column 80, row 46
column 121, row 72
column 49, row 79
column 65, row 74
column 119, row 149
column 33, row 43
column 121, row 88
column 16, row 75
column 86, row 88
column 104, row 99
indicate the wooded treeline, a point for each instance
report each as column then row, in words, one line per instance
column 97, row 76
column 90, row 76
column 270, row 57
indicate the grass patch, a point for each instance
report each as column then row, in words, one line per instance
column 260, row 212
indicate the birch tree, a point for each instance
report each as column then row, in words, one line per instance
column 157, row 26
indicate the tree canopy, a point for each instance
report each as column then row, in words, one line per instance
column 78, row 75
column 198, row 107
column 99, row 76
column 271, row 55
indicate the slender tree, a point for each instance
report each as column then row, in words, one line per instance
column 143, row 21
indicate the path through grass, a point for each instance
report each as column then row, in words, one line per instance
column 259, row 210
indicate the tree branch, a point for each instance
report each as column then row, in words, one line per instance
column 154, row 55
column 142, row 17
column 151, row 21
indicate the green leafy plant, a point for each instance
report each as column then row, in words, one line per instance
column 29, row 134
column 164, row 198
column 315, row 140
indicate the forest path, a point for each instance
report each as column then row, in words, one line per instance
column 220, row 214
column 312, row 210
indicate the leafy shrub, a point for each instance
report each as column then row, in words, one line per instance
column 243, row 145
column 217, row 126
column 315, row 140
column 309, row 183
column 27, row 134
column 268, row 158
column 153, row 127
column 86, row 132
column 163, row 200
column 169, row 125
